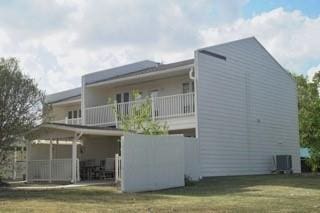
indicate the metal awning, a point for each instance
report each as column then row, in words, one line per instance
column 60, row 131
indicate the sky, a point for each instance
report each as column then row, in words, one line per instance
column 57, row 41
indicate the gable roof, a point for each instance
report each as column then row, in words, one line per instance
column 158, row 68
column 71, row 94
column 134, row 69
column 117, row 71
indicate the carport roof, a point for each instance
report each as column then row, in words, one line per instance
column 48, row 131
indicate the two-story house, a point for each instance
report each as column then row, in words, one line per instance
column 234, row 97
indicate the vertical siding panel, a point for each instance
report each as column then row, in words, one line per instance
column 247, row 110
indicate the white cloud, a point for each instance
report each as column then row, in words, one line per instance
column 58, row 41
column 290, row 36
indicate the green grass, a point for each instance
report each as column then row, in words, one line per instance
column 270, row 193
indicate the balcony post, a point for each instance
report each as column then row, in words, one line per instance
column 116, row 113
column 66, row 120
column 152, row 106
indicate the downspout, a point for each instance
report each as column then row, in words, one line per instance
column 191, row 73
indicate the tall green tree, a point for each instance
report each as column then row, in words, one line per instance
column 21, row 105
column 309, row 117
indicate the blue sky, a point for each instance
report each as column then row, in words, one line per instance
column 57, row 41
column 310, row 8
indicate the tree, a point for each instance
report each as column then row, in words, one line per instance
column 137, row 117
column 309, row 117
column 21, row 105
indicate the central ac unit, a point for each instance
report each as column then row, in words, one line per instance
column 283, row 163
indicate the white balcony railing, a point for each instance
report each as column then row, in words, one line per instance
column 165, row 107
column 74, row 121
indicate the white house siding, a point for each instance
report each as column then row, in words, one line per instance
column 61, row 112
column 99, row 95
column 247, row 110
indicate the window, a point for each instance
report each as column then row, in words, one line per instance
column 188, row 87
column 118, row 98
column 123, row 97
column 126, row 97
column 75, row 114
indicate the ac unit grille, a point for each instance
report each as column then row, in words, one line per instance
column 284, row 162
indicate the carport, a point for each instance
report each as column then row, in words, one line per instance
column 67, row 140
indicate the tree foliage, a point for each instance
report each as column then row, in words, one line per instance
column 21, row 105
column 137, row 117
column 309, row 116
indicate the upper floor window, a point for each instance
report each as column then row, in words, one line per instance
column 188, row 87
column 122, row 97
column 74, row 114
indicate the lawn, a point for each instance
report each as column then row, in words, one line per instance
column 277, row 193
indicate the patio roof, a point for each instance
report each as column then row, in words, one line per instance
column 54, row 131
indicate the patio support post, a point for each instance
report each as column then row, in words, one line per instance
column 74, row 160
column 28, row 153
column 15, row 164
column 50, row 161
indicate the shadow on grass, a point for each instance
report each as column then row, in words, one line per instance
column 239, row 184
column 207, row 187
column 91, row 194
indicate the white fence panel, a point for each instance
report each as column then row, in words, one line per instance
column 38, row 170
column 61, row 169
column 20, row 169
column 191, row 158
column 151, row 162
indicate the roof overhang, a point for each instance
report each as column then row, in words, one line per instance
column 67, row 102
column 55, row 131
column 148, row 76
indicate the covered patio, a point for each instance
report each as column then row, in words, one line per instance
column 64, row 152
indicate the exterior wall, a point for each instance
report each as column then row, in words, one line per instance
column 180, row 123
column 96, row 96
column 61, row 112
column 99, row 148
column 151, row 162
column 246, row 110
column 41, row 151
column 184, row 132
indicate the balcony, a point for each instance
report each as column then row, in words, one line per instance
column 163, row 108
